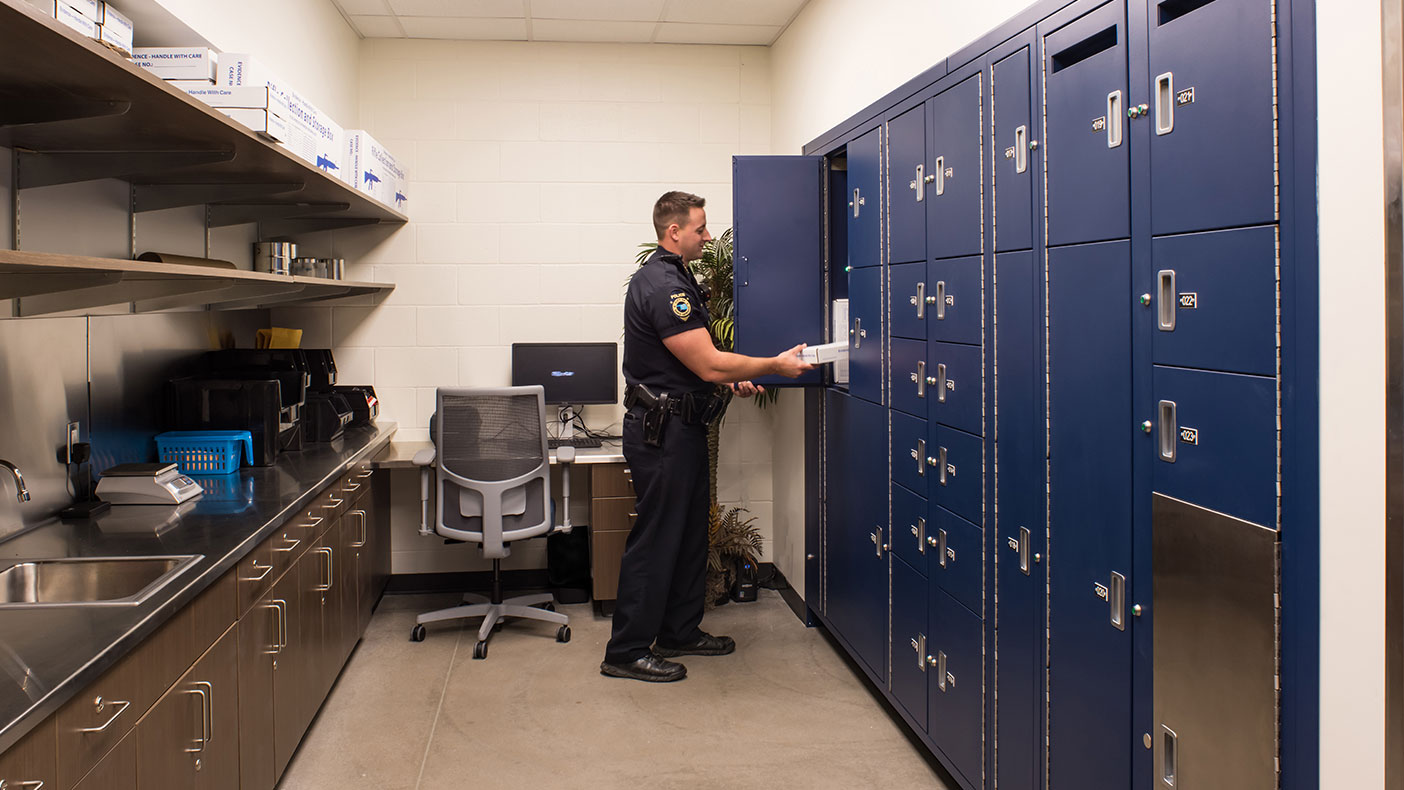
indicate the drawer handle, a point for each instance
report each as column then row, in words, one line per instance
column 292, row 542
column 350, row 487
column 267, row 569
column 206, row 719
column 328, row 571
column 361, row 517
column 99, row 704
column 279, row 606
column 314, row 522
column 333, row 502
column 32, row 784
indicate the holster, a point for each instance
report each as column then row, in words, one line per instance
column 657, row 407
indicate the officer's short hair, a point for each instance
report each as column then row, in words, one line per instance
column 674, row 208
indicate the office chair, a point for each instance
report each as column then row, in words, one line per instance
column 493, row 487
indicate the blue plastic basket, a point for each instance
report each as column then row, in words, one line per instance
column 205, row 452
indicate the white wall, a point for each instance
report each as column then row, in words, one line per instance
column 306, row 42
column 534, row 168
column 1351, row 194
column 836, row 58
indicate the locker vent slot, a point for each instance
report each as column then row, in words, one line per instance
column 1084, row 49
column 1170, row 10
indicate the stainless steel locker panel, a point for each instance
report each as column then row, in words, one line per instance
column 954, row 395
column 910, row 452
column 865, row 200
column 1213, row 149
column 910, row 302
column 954, row 199
column 956, row 315
column 1086, row 147
column 909, row 641
column 1216, row 441
column 955, row 472
column 908, row 380
column 911, row 526
column 908, row 184
column 1215, row 300
column 1014, row 152
column 954, row 557
column 1214, row 592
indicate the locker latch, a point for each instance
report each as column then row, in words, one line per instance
column 920, row 300
column 919, row 532
column 919, row 183
column 918, row 454
column 878, row 545
column 858, row 333
column 919, row 378
column 943, row 678
column 919, row 645
column 857, row 202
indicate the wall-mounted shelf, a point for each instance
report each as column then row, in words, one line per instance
column 38, row 283
column 74, row 110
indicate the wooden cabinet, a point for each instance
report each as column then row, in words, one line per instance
column 116, row 771
column 287, row 664
column 190, row 738
column 612, row 515
column 260, row 639
column 29, row 764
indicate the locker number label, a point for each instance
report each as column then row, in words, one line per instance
column 1009, row 152
column 1101, row 590
column 950, row 172
column 1184, row 97
column 1189, row 301
column 950, row 470
column 1014, row 544
column 1099, row 124
column 1189, row 435
column 950, row 385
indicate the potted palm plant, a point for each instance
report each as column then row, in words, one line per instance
column 732, row 536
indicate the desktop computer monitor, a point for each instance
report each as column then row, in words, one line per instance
column 572, row 373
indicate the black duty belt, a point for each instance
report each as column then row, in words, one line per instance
column 694, row 408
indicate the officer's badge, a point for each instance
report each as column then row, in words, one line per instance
column 682, row 308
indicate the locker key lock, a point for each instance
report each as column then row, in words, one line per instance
column 1146, row 739
column 1033, row 145
column 1146, row 299
column 1145, row 426
column 1136, row 610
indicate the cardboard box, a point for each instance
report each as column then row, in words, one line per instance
column 91, row 9
column 117, row 29
column 375, row 170
column 186, row 85
column 262, row 121
column 838, row 316
column 70, row 17
column 826, row 353
column 324, row 147
column 177, row 63
column 247, row 97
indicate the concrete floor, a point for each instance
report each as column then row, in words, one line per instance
column 784, row 711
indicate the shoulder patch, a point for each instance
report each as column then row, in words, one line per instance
column 682, row 307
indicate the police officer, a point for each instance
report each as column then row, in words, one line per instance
column 672, row 369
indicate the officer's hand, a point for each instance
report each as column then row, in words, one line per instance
column 790, row 364
column 746, row 389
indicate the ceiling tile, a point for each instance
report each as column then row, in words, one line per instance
column 617, row 10
column 460, row 8
column 377, row 26
column 679, row 33
column 733, row 12
column 363, row 7
column 465, row 29
column 591, row 30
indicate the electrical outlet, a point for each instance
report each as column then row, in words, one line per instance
column 72, row 440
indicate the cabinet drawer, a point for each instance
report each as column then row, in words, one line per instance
column 116, row 771
column 95, row 720
column 328, row 505
column 355, row 484
column 613, row 513
column 606, row 550
column 293, row 539
column 609, row 480
column 256, row 574
column 31, row 760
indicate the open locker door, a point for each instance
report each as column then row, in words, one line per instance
column 779, row 264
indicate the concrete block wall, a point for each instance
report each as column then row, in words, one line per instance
column 533, row 169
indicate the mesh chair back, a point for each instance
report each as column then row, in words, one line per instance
column 494, row 477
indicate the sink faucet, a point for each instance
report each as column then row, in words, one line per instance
column 21, row 493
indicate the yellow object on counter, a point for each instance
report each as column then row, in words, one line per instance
column 278, row 337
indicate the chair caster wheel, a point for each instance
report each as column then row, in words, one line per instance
column 417, row 634
column 549, row 606
column 563, row 634
column 480, row 650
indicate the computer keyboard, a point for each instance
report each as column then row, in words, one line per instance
column 577, row 442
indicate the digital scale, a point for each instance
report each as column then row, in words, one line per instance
column 146, row 484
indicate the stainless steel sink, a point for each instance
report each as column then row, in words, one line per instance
column 88, row 581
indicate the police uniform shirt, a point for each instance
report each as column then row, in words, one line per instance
column 664, row 299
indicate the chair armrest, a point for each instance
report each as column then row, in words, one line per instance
column 425, row 457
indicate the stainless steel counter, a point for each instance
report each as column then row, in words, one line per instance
column 400, row 455
column 48, row 655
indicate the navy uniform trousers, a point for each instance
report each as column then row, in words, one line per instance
column 662, row 576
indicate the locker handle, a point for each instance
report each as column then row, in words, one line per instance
column 920, row 301
column 1166, row 278
column 941, row 670
column 1168, row 429
column 1021, row 149
column 920, row 183
column 857, row 203
column 919, row 530
column 1165, row 103
column 920, row 378
column 941, row 454
column 1116, row 597
column 920, row 456
column 1024, row 538
column 941, row 547
column 876, row 537
column 1170, row 762
column 941, row 382
column 920, row 644
column 940, row 176
column 858, row 333
column 1114, row 119
column 940, row 300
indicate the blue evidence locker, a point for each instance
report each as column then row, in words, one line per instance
column 778, row 284
column 1090, row 515
column 955, row 684
column 908, row 303
column 1085, row 142
column 954, row 395
column 865, row 200
column 865, row 310
column 909, row 640
column 857, row 562
column 1212, row 151
column 909, row 379
column 907, row 185
column 954, row 199
column 954, row 292
column 1013, row 153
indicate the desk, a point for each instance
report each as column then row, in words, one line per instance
column 611, row 507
